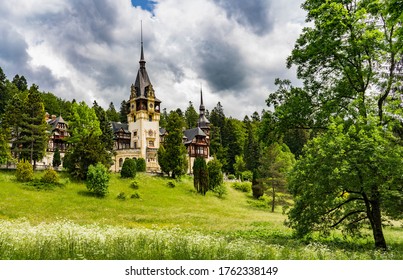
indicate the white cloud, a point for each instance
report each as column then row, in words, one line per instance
column 90, row 49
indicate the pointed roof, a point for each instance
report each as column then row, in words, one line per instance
column 142, row 79
column 190, row 134
column 203, row 122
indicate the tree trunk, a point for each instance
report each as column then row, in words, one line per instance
column 379, row 238
column 273, row 200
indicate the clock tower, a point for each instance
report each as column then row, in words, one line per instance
column 144, row 116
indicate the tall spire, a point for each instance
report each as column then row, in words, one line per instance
column 201, row 108
column 142, row 61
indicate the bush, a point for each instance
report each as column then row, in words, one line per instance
column 171, row 184
column 220, row 190
column 25, row 172
column 257, row 191
column 215, row 175
column 134, row 185
column 247, row 176
column 141, row 165
column 135, row 195
column 231, row 177
column 121, row 196
column 129, row 168
column 50, row 177
column 98, row 179
column 242, row 186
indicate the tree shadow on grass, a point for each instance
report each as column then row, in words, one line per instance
column 88, row 194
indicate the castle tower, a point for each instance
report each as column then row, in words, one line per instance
column 203, row 122
column 143, row 118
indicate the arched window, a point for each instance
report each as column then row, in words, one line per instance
column 120, row 162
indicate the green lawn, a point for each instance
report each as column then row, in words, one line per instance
column 229, row 227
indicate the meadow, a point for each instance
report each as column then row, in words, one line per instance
column 158, row 221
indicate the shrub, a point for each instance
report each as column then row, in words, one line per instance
column 242, row 186
column 25, row 172
column 257, row 191
column 134, row 185
column 135, row 195
column 231, row 177
column 214, row 174
column 50, row 177
column 220, row 190
column 171, row 184
column 141, row 165
column 129, row 168
column 56, row 158
column 247, row 176
column 121, row 196
column 98, row 179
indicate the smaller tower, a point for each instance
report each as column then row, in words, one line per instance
column 203, row 122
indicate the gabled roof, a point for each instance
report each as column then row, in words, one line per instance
column 190, row 134
column 116, row 126
column 56, row 121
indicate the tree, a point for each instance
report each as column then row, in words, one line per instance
column 5, row 155
column 112, row 114
column 33, row 138
column 191, row 116
column 350, row 57
column 252, row 148
column 239, row 166
column 86, row 147
column 56, row 158
column 98, row 179
column 129, row 168
column 275, row 163
column 4, row 92
column 141, row 165
column 20, row 82
column 200, row 176
column 124, row 111
column 215, row 176
column 106, row 136
column 349, row 177
column 172, row 155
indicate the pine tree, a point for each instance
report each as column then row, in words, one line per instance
column 200, row 176
column 56, row 158
column 191, row 116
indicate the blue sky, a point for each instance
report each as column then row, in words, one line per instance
column 89, row 50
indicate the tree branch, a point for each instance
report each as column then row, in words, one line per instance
column 346, row 216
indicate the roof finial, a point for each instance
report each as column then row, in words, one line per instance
column 142, row 61
column 201, row 108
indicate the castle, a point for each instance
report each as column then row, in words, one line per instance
column 141, row 136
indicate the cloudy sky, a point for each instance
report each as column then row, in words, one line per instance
column 89, row 49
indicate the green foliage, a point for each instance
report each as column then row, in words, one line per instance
column 215, row 175
column 257, row 190
column 220, row 190
column 172, row 155
column 24, row 172
column 239, row 166
column 86, row 147
column 50, row 177
column 5, row 155
column 134, row 184
column 129, row 168
column 350, row 176
column 242, row 186
column 275, row 164
column 231, row 177
column 191, row 116
column 121, row 196
column 171, row 184
column 141, row 165
column 135, row 195
column 200, row 176
column 98, row 179
column 247, row 175
column 56, row 158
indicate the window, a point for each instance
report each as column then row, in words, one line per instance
column 150, row 118
column 151, row 143
column 120, row 162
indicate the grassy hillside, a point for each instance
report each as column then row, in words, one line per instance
column 164, row 223
column 158, row 205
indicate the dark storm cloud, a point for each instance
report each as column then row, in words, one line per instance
column 221, row 65
column 252, row 13
column 13, row 48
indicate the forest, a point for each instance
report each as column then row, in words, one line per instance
column 335, row 144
